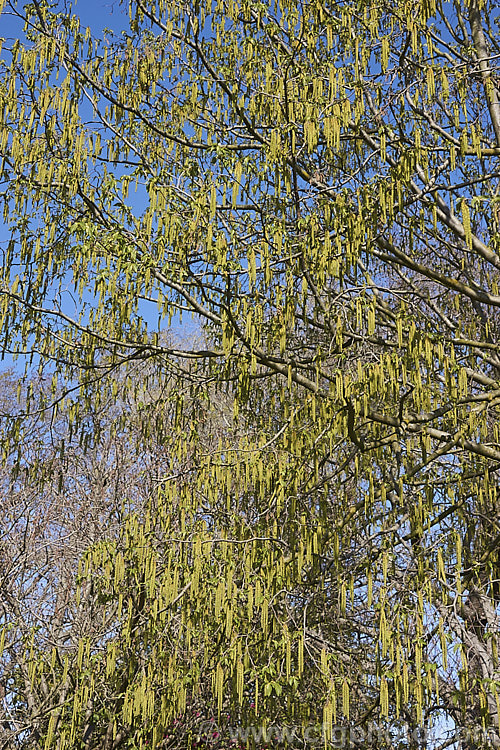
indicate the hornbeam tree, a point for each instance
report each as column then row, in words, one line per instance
column 316, row 184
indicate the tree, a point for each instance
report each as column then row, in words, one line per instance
column 142, row 566
column 320, row 185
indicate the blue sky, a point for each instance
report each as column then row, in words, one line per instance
column 98, row 14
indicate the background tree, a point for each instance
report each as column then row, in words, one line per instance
column 320, row 184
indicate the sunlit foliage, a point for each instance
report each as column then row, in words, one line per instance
column 317, row 185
